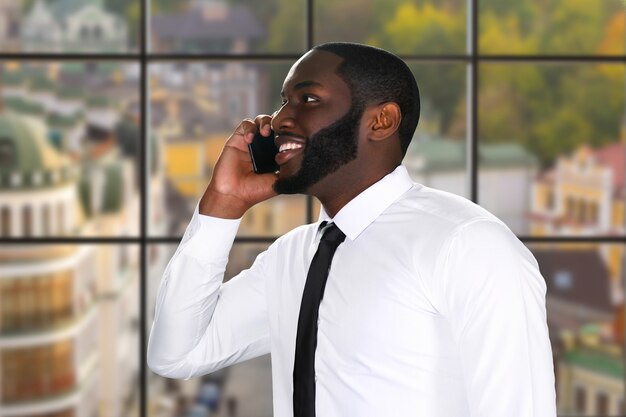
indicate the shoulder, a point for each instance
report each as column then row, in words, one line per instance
column 295, row 238
column 439, row 213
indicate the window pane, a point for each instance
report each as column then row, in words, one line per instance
column 437, row 156
column 552, row 141
column 194, row 108
column 551, row 27
column 69, row 138
column 244, row 389
column 69, row 26
column 585, row 309
column 227, row 27
column 404, row 27
column 602, row 404
column 69, row 322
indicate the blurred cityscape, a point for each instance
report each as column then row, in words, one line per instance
column 549, row 164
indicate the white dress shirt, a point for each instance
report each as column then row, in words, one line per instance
column 432, row 308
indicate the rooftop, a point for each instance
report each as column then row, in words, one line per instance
column 576, row 276
column 28, row 158
column 236, row 22
column 596, row 360
column 447, row 154
column 61, row 9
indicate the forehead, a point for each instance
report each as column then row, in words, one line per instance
column 319, row 67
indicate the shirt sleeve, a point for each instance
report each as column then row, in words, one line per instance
column 495, row 300
column 201, row 324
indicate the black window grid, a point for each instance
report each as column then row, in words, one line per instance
column 143, row 57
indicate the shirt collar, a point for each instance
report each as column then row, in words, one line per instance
column 363, row 209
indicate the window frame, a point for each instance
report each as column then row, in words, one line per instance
column 143, row 57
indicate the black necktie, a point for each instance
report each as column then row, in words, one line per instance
column 306, row 338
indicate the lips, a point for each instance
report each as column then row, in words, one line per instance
column 288, row 147
column 284, row 156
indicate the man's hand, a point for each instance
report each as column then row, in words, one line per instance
column 234, row 186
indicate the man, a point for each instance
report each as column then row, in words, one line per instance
column 430, row 307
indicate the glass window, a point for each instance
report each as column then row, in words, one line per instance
column 542, row 131
column 36, row 302
column 581, row 400
column 61, row 219
column 550, row 163
column 227, row 27
column 63, row 338
column 78, row 126
column 602, row 404
column 7, row 153
column 46, row 220
column 66, row 26
column 242, row 389
column 437, row 156
column 189, row 126
column 27, row 221
column 585, row 322
column 551, row 27
column 38, row 372
column 404, row 27
column 5, row 213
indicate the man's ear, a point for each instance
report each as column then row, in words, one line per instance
column 385, row 120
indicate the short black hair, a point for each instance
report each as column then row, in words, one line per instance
column 377, row 76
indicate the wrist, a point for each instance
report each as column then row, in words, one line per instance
column 223, row 206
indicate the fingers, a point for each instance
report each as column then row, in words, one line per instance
column 244, row 133
column 263, row 121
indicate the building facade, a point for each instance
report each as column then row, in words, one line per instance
column 69, row 317
column 72, row 26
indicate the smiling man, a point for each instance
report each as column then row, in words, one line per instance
column 400, row 301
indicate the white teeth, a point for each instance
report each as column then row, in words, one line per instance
column 288, row 146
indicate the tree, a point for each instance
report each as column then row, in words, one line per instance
column 429, row 30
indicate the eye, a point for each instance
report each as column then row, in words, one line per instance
column 309, row 99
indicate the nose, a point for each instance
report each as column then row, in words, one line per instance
column 282, row 119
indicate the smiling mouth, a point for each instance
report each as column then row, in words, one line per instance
column 287, row 151
column 289, row 146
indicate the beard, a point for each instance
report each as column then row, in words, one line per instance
column 325, row 152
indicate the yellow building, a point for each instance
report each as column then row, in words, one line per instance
column 68, row 313
column 192, row 139
column 583, row 195
column 590, row 379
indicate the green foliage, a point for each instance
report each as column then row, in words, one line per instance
column 427, row 29
column 287, row 32
column 503, row 34
column 164, row 6
column 346, row 20
column 549, row 109
column 422, row 30
column 573, row 26
column 27, row 5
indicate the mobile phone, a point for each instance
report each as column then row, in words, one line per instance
column 262, row 152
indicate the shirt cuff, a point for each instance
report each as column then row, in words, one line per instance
column 210, row 237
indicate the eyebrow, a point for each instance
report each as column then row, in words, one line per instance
column 303, row 84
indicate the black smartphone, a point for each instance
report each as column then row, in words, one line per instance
column 263, row 151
